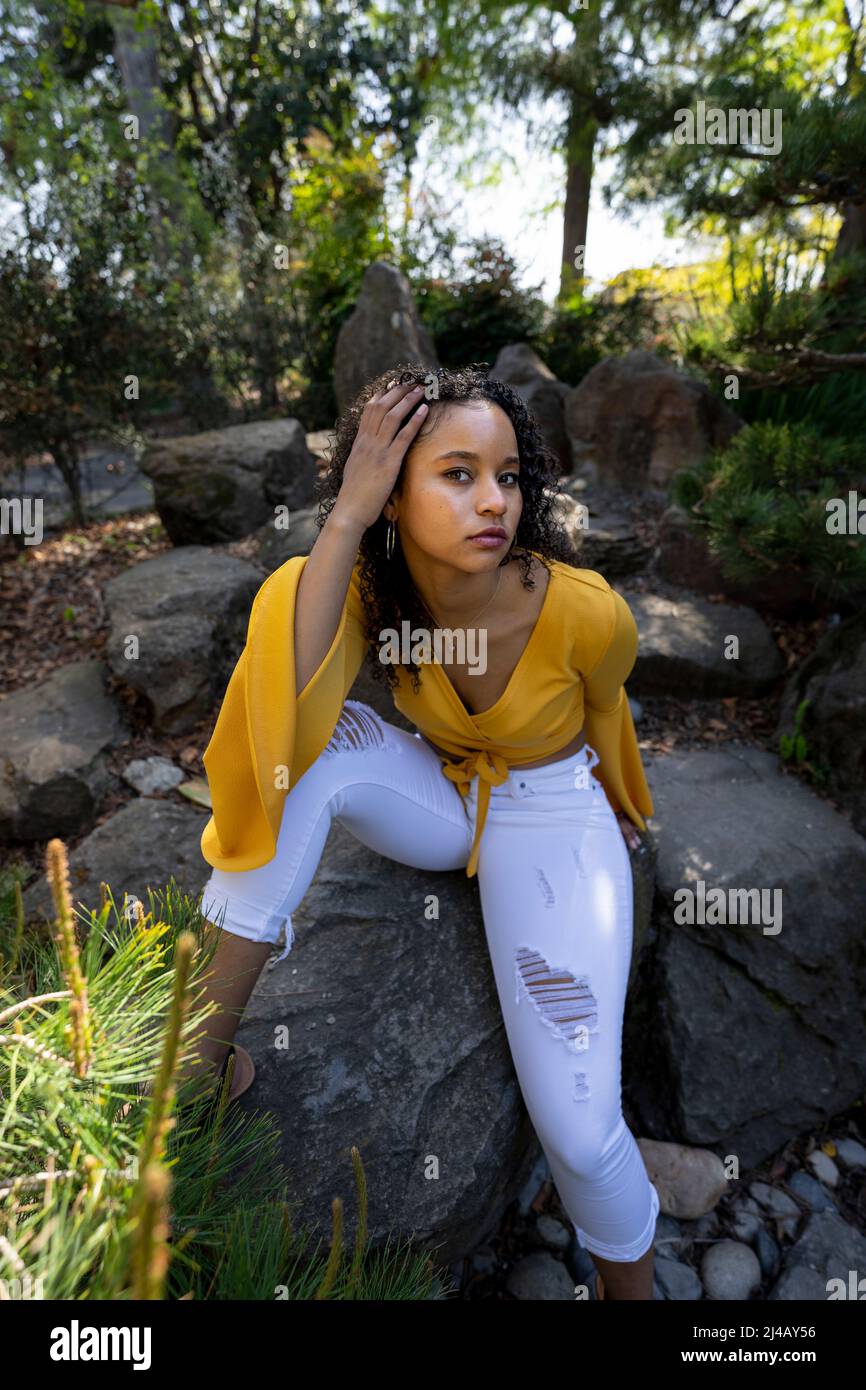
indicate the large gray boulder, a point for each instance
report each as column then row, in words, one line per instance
column 223, row 484
column 742, row 1037
column 521, row 368
column 142, row 845
column 609, row 539
column 637, row 420
column 56, row 738
column 683, row 646
column 277, row 543
column 833, row 680
column 382, row 1028
column 178, row 626
column 383, row 331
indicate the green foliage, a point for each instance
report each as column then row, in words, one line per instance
column 763, row 501
column 687, row 487
column 834, row 403
column 785, row 219
column 92, row 329
column 793, row 60
column 794, row 746
column 337, row 228
column 774, row 316
column 830, row 318
column 76, row 1235
column 481, row 309
column 581, row 331
column 794, row 749
column 173, row 272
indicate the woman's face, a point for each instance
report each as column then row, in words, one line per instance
column 459, row 478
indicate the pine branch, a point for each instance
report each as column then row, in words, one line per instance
column 793, row 369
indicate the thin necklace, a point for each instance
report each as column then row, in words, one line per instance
column 481, row 610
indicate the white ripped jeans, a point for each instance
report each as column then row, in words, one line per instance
column 556, row 896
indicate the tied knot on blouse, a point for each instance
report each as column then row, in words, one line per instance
column 492, row 770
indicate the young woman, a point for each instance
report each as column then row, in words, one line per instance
column 437, row 513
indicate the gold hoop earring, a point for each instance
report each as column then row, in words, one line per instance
column 389, row 540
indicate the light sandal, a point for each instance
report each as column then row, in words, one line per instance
column 244, row 1072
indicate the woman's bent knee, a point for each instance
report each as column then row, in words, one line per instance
column 586, row 1149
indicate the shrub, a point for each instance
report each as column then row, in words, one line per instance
column 763, row 502
column 336, row 229
column 108, row 1194
column 580, row 332
column 90, row 335
column 483, row 309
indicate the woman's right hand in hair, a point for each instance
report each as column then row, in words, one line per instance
column 377, row 454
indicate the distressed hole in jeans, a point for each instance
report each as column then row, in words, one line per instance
column 357, row 727
column 581, row 1086
column 546, row 891
column 577, row 856
column 564, row 1003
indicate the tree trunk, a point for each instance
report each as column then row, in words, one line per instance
column 581, row 133
column 852, row 233
column 65, row 455
column 578, row 183
column 137, row 55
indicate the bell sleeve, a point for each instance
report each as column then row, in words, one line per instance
column 267, row 736
column 608, row 721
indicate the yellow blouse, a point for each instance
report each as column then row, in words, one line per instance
column 570, row 676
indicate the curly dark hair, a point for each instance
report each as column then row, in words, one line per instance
column 387, row 591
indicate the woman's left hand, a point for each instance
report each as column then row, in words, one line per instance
column 630, row 832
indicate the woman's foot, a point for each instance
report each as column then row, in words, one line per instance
column 599, row 1288
column 242, row 1080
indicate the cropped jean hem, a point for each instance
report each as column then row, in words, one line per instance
column 624, row 1253
column 233, row 915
